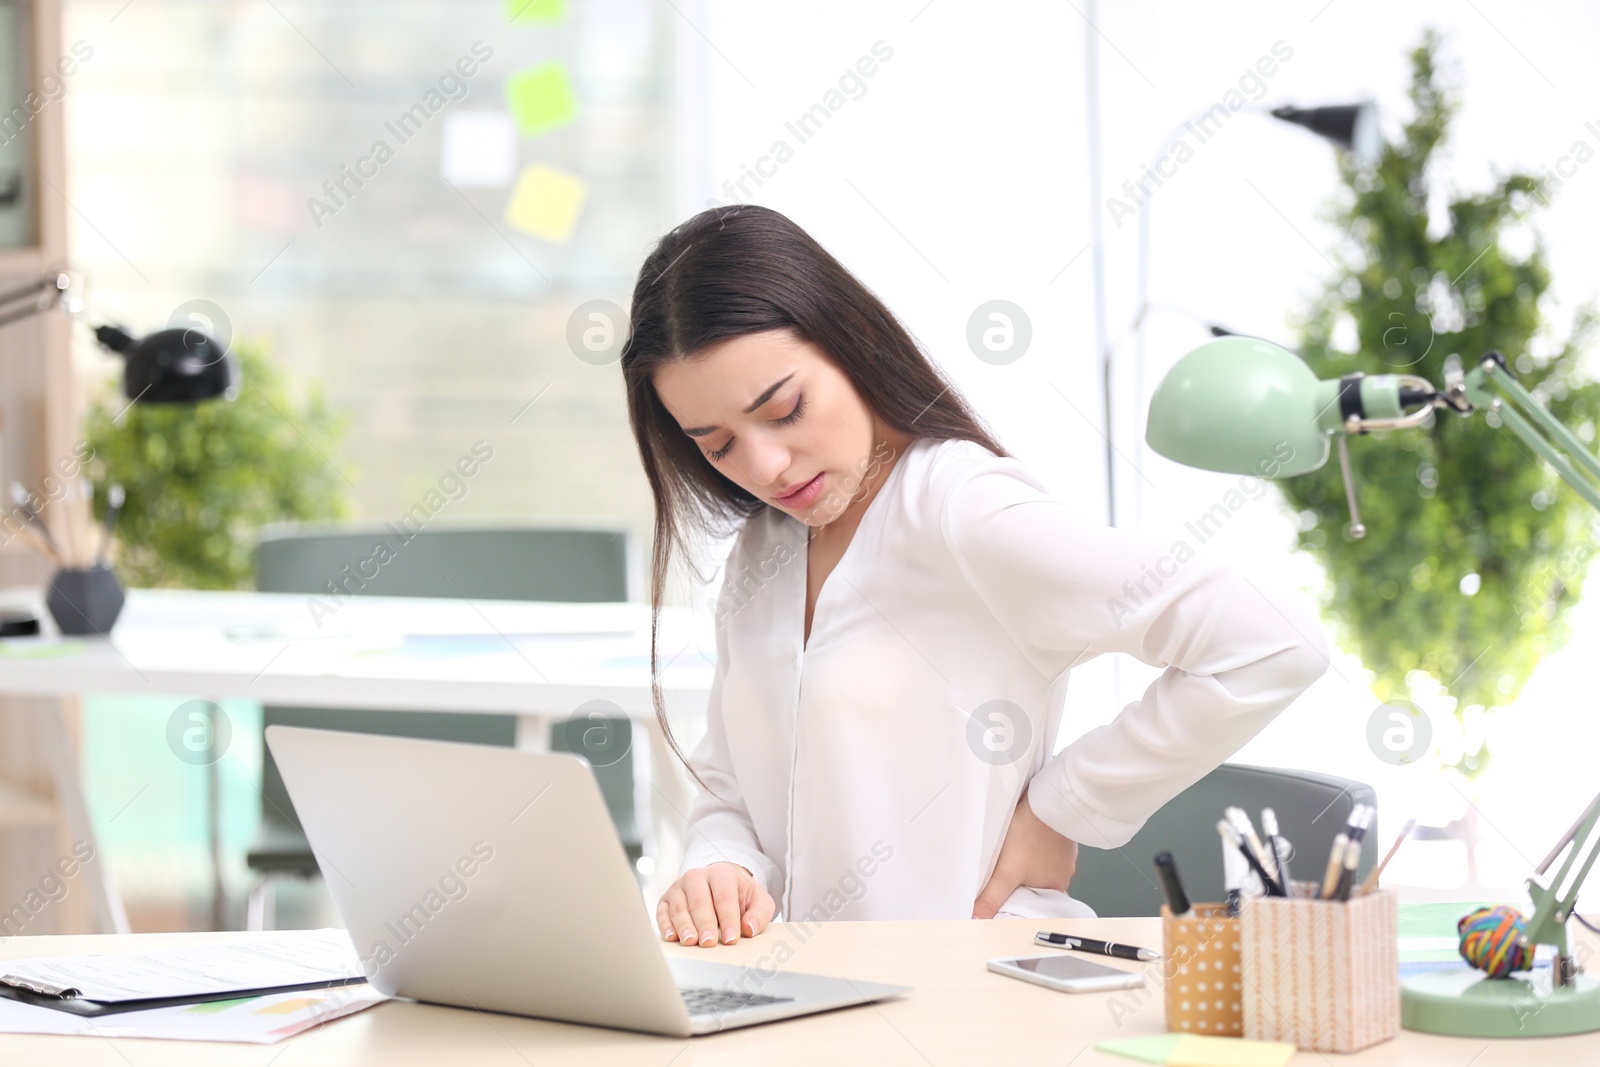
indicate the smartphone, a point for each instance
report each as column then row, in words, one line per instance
column 1066, row 972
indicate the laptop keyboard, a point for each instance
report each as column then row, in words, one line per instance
column 705, row 1000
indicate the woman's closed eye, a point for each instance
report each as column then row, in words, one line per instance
column 793, row 416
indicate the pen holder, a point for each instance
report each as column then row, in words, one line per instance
column 84, row 600
column 1323, row 974
column 1201, row 971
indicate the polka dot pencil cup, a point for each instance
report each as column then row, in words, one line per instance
column 1324, row 974
column 1201, row 971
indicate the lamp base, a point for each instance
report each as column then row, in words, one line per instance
column 1468, row 1003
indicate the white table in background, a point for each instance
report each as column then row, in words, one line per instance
column 540, row 661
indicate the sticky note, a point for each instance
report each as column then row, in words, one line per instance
column 1154, row 1049
column 289, row 1007
column 39, row 648
column 541, row 98
column 478, row 149
column 536, row 10
column 545, row 202
column 211, row 1007
column 1196, row 1050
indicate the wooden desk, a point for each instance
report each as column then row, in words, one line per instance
column 959, row 1014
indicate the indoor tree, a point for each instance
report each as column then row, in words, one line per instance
column 1474, row 547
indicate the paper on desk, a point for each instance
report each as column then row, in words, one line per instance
column 259, row 1020
column 289, row 957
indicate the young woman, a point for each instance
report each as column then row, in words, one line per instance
column 900, row 610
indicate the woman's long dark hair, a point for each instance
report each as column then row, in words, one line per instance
column 743, row 269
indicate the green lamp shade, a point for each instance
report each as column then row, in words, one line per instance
column 1242, row 406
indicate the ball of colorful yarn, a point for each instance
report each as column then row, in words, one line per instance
column 1489, row 941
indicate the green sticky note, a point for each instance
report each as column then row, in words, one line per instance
column 211, row 1007
column 44, row 649
column 1197, row 1050
column 1154, row 1049
column 536, row 10
column 541, row 98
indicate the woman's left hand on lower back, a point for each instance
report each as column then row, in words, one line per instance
column 1032, row 854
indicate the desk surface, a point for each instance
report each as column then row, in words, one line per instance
column 959, row 1014
column 407, row 653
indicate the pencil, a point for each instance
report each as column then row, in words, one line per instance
column 1371, row 881
column 1330, row 876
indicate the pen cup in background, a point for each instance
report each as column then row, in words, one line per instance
column 1324, row 974
column 84, row 600
column 1201, row 971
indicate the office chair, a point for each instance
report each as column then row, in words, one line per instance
column 1311, row 808
column 502, row 563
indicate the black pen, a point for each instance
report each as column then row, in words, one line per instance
column 1279, row 847
column 1232, row 837
column 1089, row 944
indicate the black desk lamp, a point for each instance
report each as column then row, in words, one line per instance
column 172, row 366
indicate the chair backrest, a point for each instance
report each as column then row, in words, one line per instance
column 558, row 563
column 562, row 563
column 1311, row 809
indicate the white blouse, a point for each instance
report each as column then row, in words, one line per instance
column 872, row 773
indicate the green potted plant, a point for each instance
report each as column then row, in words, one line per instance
column 201, row 479
column 1474, row 548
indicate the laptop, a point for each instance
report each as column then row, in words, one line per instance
column 492, row 878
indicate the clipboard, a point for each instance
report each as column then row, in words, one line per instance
column 252, row 965
column 91, row 1008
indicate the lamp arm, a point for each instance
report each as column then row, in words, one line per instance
column 1532, row 422
column 1491, row 385
column 48, row 292
column 1554, row 904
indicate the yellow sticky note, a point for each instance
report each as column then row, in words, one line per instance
column 1196, row 1050
column 536, row 10
column 545, row 202
column 541, row 98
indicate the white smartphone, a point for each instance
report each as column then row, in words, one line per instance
column 1066, row 972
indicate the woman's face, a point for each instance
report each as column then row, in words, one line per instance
column 775, row 416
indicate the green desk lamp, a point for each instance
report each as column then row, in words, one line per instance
column 1245, row 406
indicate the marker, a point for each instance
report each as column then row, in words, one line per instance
column 1172, row 886
column 1089, row 944
column 1360, row 819
column 1347, row 876
column 1247, row 831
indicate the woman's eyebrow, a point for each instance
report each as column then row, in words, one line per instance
column 766, row 395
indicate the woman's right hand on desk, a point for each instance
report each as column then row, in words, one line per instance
column 723, row 896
